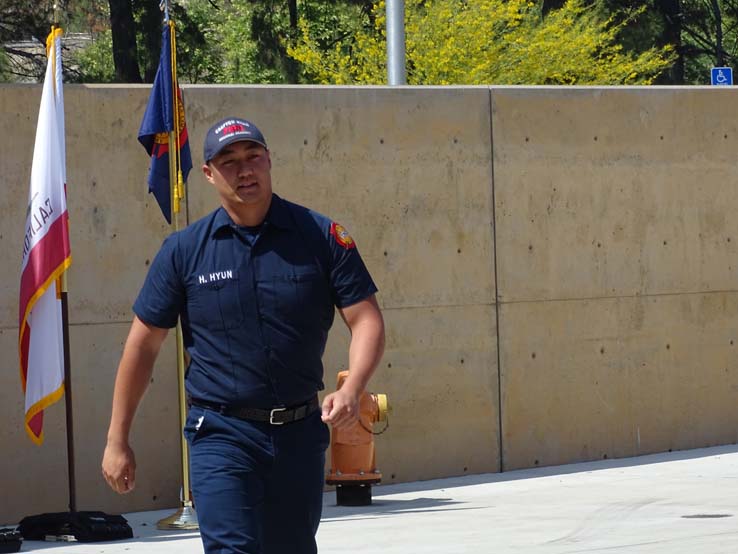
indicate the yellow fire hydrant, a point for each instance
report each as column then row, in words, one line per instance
column 353, row 466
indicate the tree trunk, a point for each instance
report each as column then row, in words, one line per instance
column 671, row 11
column 293, row 15
column 124, row 41
column 549, row 5
column 151, row 26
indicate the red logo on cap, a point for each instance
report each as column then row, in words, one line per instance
column 235, row 128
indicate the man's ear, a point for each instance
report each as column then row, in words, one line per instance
column 208, row 172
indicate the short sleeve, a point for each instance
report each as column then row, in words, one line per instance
column 349, row 277
column 162, row 296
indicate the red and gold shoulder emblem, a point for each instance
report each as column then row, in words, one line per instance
column 342, row 236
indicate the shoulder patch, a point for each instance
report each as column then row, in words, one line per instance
column 342, row 236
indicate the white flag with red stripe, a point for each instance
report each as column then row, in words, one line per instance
column 46, row 254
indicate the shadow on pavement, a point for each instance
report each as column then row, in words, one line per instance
column 533, row 473
column 384, row 507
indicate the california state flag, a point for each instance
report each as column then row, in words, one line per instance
column 46, row 254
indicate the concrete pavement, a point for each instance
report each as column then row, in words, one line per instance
column 679, row 502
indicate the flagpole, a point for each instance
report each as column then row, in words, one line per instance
column 68, row 395
column 63, row 294
column 185, row 517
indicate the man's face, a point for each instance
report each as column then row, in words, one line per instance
column 241, row 173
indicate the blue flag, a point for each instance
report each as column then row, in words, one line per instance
column 158, row 122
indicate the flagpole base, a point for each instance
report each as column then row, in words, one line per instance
column 183, row 519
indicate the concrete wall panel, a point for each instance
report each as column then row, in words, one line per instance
column 32, row 478
column 155, row 436
column 115, row 224
column 610, row 192
column 620, row 377
column 35, row 478
column 439, row 371
column 419, row 209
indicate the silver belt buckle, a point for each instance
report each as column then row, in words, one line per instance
column 271, row 416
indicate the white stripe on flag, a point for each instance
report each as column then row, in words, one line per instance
column 46, row 349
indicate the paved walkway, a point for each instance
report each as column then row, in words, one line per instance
column 676, row 503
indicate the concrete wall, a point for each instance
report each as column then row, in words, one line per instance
column 603, row 214
column 616, row 261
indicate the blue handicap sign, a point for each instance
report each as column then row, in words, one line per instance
column 721, row 76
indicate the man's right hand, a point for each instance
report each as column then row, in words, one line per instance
column 119, row 467
column 134, row 375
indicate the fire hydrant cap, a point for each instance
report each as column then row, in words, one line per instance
column 383, row 407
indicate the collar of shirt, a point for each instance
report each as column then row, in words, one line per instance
column 278, row 215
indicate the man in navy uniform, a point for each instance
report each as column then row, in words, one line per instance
column 255, row 284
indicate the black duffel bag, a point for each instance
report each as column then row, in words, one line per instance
column 84, row 526
column 10, row 540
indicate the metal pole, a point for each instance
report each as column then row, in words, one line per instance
column 68, row 395
column 396, row 42
column 185, row 517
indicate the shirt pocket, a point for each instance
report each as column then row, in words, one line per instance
column 302, row 296
column 217, row 305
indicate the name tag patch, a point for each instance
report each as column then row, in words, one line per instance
column 215, row 276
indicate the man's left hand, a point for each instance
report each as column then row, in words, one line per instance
column 340, row 409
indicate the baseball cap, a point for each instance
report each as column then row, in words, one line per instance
column 227, row 131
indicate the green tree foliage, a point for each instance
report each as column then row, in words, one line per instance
column 703, row 33
column 196, row 58
column 23, row 21
column 218, row 41
column 246, row 41
column 245, row 33
column 330, row 23
column 198, row 51
column 709, row 35
column 95, row 62
column 488, row 41
column 29, row 23
column 86, row 16
column 4, row 67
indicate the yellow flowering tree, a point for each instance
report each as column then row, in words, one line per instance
column 486, row 42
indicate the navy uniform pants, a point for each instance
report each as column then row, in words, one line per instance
column 257, row 488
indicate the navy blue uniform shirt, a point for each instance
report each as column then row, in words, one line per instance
column 256, row 303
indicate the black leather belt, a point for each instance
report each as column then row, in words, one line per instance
column 275, row 416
